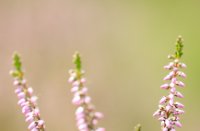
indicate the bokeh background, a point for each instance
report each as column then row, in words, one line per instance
column 124, row 45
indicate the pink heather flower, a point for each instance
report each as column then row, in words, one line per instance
column 169, row 110
column 86, row 116
column 100, row 129
column 164, row 86
column 26, row 99
column 29, row 106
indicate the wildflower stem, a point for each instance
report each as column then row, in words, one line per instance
column 138, row 127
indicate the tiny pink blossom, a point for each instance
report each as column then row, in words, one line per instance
column 163, row 100
column 101, row 129
column 157, row 113
column 182, row 65
column 178, row 94
column 178, row 124
column 168, row 123
column 87, row 99
column 32, row 125
column 182, row 74
column 71, row 79
column 40, row 122
column 18, row 90
column 179, row 105
column 165, row 129
column 98, row 115
column 173, row 90
column 168, row 77
column 21, row 95
column 16, row 83
column 165, row 86
column 180, row 84
column 74, row 89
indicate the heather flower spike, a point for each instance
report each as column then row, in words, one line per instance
column 86, row 116
column 138, row 127
column 169, row 110
column 27, row 100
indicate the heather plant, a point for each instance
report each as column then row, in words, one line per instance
column 27, row 100
column 86, row 116
column 169, row 109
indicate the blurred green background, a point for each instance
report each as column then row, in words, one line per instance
column 124, row 45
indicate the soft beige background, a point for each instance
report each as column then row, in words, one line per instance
column 124, row 44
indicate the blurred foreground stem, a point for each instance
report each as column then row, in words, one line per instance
column 138, row 128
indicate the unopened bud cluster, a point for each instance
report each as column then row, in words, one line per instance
column 169, row 110
column 86, row 116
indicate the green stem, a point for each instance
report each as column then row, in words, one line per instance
column 138, row 127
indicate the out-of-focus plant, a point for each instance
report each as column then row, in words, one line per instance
column 27, row 100
column 86, row 116
column 138, row 127
column 169, row 110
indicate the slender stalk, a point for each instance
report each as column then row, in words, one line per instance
column 138, row 127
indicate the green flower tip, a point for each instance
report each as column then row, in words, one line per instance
column 179, row 47
column 77, row 61
column 18, row 66
column 17, row 61
column 138, row 127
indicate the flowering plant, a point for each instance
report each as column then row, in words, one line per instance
column 169, row 110
column 27, row 100
column 86, row 115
